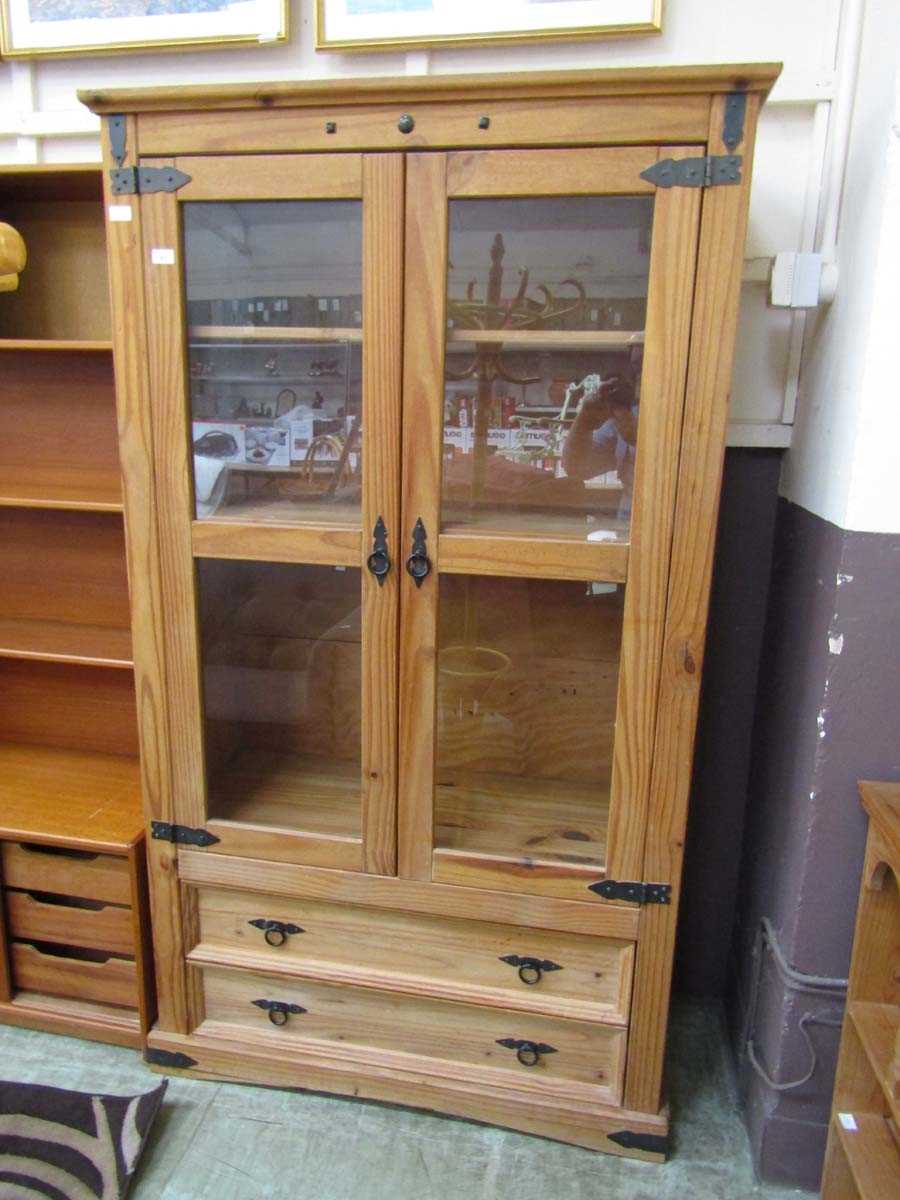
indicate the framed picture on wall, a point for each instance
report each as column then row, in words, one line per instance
column 389, row 24
column 37, row 28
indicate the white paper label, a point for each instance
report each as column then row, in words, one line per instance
column 120, row 212
column 848, row 1121
column 162, row 256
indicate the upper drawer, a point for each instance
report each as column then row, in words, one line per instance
column 65, row 872
column 529, row 1050
column 568, row 974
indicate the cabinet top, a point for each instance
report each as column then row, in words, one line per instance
column 530, row 85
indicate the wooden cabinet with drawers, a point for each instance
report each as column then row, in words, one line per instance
column 422, row 388
column 74, row 920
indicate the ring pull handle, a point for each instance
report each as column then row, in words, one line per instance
column 531, row 970
column 528, row 1053
column 418, row 565
column 379, row 561
column 276, row 933
column 279, row 1010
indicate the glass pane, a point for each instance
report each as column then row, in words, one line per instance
column 527, row 678
column 274, row 310
column 282, row 667
column 546, row 306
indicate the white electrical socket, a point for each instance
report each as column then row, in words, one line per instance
column 796, row 279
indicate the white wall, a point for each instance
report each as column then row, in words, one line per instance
column 801, row 33
column 844, row 464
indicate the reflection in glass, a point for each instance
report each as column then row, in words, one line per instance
column 274, row 309
column 281, row 659
column 546, row 309
column 527, row 678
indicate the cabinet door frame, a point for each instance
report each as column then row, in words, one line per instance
column 376, row 180
column 432, row 181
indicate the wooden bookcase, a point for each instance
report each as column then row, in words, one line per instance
column 68, row 727
column 863, row 1157
column 419, row 645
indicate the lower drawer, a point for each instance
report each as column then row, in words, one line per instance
column 478, row 961
column 66, row 872
column 63, row 973
column 67, row 920
column 437, row 1037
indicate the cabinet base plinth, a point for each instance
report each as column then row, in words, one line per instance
column 594, row 1126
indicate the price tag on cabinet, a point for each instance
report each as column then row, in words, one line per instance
column 162, row 256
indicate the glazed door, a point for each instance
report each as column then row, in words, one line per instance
column 274, row 313
column 548, row 298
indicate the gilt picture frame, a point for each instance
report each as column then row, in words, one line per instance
column 409, row 24
column 56, row 28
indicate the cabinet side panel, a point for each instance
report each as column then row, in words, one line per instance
column 722, row 232
column 147, row 617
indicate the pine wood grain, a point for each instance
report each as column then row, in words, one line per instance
column 628, row 81
column 148, row 623
column 673, row 253
column 323, row 543
column 262, row 177
column 377, row 1026
column 33, row 918
column 41, row 866
column 423, row 389
column 419, row 954
column 873, row 1157
column 532, row 557
column 713, row 323
column 583, row 1122
column 73, row 797
column 608, row 171
column 65, row 641
column 383, row 245
column 95, row 1021
column 468, row 903
column 111, row 982
column 62, row 487
column 274, row 333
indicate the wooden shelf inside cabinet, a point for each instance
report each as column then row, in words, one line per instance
column 60, row 487
column 548, row 339
column 55, row 345
column 75, row 797
column 274, row 333
column 62, row 641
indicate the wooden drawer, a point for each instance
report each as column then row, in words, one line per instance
column 437, row 956
column 111, row 982
column 433, row 1036
column 70, row 921
column 66, row 872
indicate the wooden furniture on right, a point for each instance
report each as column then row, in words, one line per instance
column 862, row 1161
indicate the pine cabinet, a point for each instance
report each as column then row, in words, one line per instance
column 422, row 396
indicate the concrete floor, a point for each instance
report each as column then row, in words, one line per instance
column 228, row 1142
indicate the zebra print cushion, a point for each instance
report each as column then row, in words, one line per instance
column 61, row 1145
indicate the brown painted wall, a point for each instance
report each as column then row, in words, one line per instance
column 824, row 719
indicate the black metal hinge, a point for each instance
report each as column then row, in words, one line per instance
column 637, row 893
column 733, row 125
column 133, row 181
column 173, row 1059
column 652, row 1143
column 181, row 835
column 712, row 170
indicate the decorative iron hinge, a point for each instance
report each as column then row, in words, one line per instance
column 133, row 181
column 116, row 128
column 181, row 835
column 173, row 1059
column 637, row 893
column 712, row 170
column 733, row 124
column 652, row 1143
